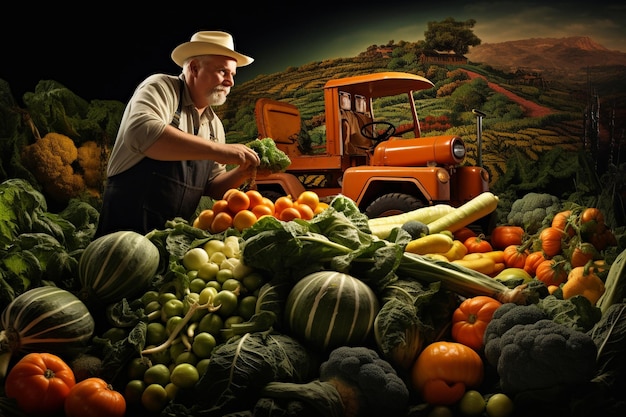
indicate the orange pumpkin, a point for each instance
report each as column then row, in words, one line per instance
column 582, row 253
column 551, row 239
column 515, row 256
column 601, row 240
column 533, row 260
column 591, row 222
column 584, row 281
column 552, row 272
column 563, row 222
column 470, row 320
column 592, row 214
column 443, row 372
column 503, row 236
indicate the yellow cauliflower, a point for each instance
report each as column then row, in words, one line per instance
column 50, row 160
column 92, row 161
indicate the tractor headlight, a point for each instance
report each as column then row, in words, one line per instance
column 458, row 149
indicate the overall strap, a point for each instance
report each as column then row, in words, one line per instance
column 176, row 119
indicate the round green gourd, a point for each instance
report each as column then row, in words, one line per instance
column 329, row 309
column 116, row 266
column 46, row 319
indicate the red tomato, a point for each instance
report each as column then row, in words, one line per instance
column 503, row 236
column 94, row 397
column 40, row 383
column 477, row 244
column 464, row 233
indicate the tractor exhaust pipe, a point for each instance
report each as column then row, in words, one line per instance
column 479, row 135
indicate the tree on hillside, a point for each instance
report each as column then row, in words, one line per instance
column 450, row 35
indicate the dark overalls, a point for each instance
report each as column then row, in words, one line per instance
column 152, row 192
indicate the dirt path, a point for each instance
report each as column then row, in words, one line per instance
column 531, row 109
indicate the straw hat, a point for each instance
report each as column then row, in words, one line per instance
column 209, row 43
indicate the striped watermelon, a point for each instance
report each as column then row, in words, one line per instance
column 46, row 319
column 116, row 266
column 329, row 309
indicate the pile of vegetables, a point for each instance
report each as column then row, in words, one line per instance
column 407, row 311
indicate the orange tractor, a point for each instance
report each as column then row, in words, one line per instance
column 374, row 151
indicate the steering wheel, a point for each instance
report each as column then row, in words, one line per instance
column 369, row 131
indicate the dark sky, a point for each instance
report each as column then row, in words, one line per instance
column 104, row 54
column 107, row 60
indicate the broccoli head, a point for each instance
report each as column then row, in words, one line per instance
column 533, row 211
column 368, row 384
column 544, row 355
column 504, row 318
column 353, row 382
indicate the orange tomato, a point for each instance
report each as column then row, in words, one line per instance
column 220, row 206
column 267, row 202
column 204, row 219
column 228, row 193
column 443, row 372
column 309, row 198
column 244, row 219
column 306, row 212
column 221, row 222
column 289, row 214
column 94, row 397
column 255, row 197
column 40, row 383
column 237, row 201
column 321, row 206
column 262, row 210
column 470, row 320
column 282, row 203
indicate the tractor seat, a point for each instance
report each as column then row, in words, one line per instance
column 351, row 123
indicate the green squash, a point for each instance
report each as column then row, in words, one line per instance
column 44, row 319
column 116, row 266
column 329, row 309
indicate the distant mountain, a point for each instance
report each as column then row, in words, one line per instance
column 554, row 57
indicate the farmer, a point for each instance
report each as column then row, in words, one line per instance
column 171, row 147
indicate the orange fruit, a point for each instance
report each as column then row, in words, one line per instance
column 305, row 211
column 255, row 197
column 282, row 203
column 267, row 202
column 321, row 206
column 237, row 201
column 244, row 219
column 204, row 219
column 229, row 192
column 309, row 198
column 220, row 206
column 262, row 210
column 289, row 214
column 222, row 221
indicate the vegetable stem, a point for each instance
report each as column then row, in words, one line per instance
column 193, row 306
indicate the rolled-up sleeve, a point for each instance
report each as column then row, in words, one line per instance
column 149, row 111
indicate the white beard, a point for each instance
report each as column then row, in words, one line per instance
column 217, row 97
